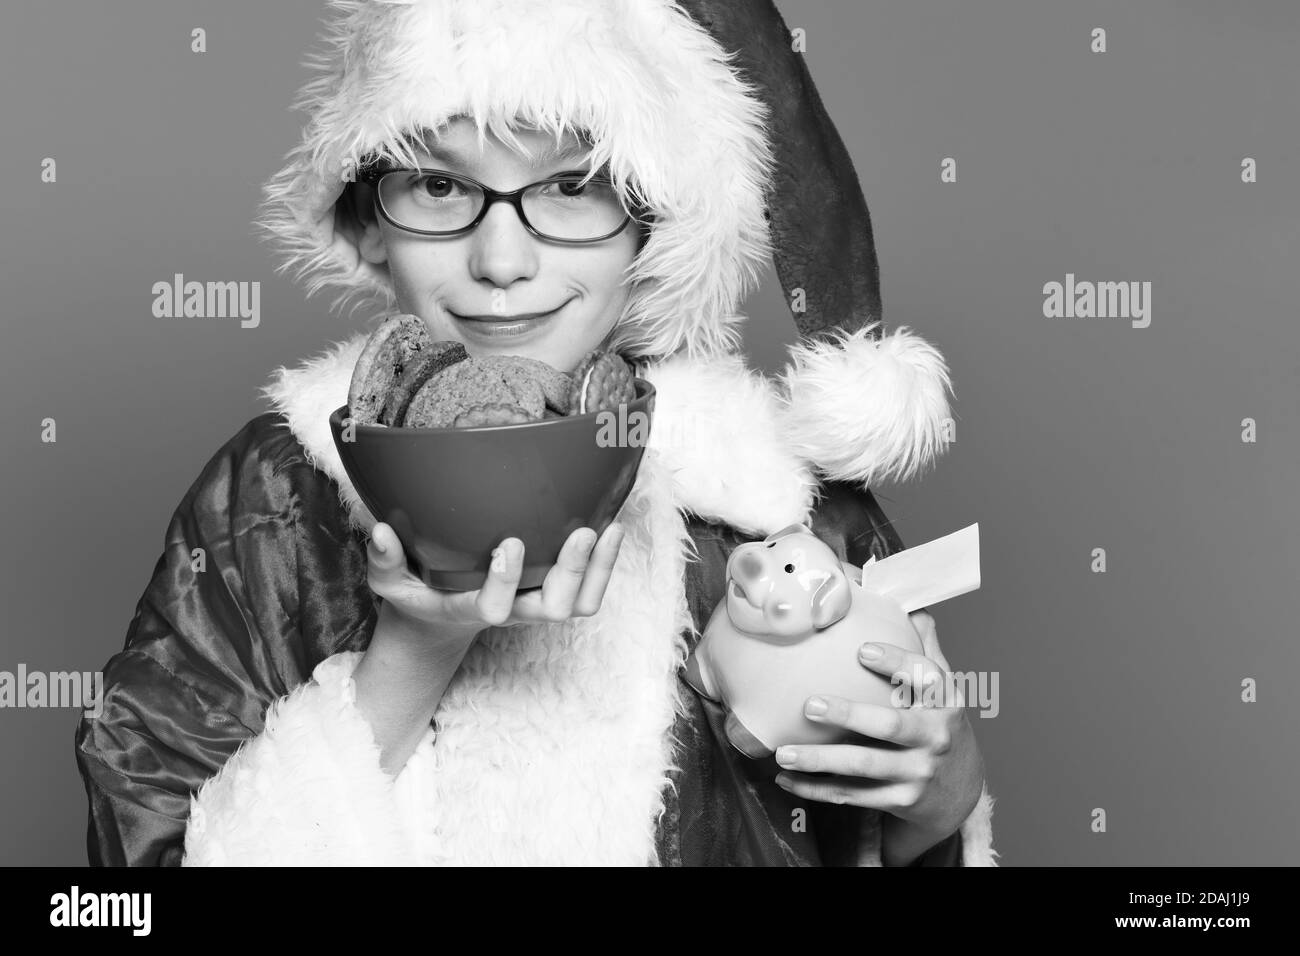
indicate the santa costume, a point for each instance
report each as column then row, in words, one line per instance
column 229, row 732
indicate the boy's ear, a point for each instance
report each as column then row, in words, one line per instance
column 355, row 218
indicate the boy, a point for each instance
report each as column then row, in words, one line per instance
column 554, row 726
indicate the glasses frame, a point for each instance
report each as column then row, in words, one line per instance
column 372, row 176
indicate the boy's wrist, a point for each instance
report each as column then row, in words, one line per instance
column 420, row 640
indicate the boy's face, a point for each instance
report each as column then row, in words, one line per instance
column 499, row 269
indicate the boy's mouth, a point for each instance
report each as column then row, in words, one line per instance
column 503, row 318
column 504, row 326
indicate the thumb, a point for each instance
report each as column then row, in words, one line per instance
column 386, row 556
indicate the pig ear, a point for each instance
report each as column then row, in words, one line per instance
column 831, row 602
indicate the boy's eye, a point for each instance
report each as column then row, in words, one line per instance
column 575, row 188
column 570, row 187
column 441, row 187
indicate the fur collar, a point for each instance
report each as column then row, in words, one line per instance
column 717, row 428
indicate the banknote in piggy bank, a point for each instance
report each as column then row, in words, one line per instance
column 792, row 622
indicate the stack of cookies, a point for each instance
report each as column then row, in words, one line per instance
column 405, row 379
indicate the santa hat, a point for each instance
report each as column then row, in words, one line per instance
column 705, row 114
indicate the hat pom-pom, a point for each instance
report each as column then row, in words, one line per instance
column 866, row 410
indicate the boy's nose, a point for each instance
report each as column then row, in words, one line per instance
column 503, row 248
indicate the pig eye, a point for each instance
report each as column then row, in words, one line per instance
column 771, row 544
column 789, row 569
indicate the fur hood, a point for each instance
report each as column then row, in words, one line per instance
column 683, row 129
column 639, row 79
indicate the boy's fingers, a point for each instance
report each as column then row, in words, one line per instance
column 563, row 580
column 496, row 598
column 900, row 665
column 599, row 569
column 923, row 622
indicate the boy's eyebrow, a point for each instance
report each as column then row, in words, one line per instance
column 553, row 153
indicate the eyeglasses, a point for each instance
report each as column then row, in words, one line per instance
column 434, row 202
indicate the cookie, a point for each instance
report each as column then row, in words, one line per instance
column 483, row 416
column 555, row 385
column 431, row 360
column 601, row 382
column 383, row 360
column 472, row 382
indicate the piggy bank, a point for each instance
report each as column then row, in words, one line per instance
column 790, row 626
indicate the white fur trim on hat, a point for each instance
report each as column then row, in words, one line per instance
column 865, row 410
column 650, row 89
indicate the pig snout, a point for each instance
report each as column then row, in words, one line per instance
column 761, row 601
column 746, row 570
column 788, row 585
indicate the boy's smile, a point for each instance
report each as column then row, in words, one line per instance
column 498, row 289
column 507, row 326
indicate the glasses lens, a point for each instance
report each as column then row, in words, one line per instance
column 429, row 202
column 565, row 208
column 572, row 209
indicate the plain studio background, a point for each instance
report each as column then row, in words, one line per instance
column 1118, row 690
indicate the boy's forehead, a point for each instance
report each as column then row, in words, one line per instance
column 459, row 143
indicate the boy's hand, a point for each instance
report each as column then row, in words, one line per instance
column 930, row 771
column 574, row 587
